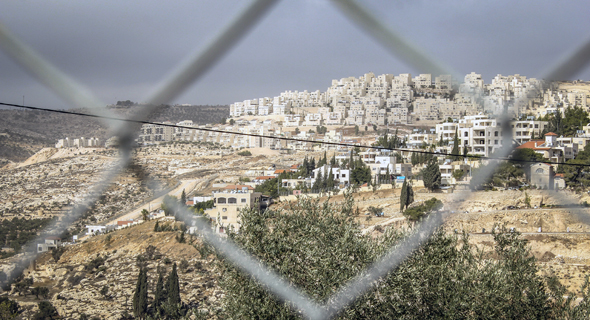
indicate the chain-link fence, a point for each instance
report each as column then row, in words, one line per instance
column 191, row 70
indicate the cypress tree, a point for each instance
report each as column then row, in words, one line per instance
column 410, row 197
column 403, row 196
column 455, row 152
column 318, row 181
column 330, row 180
column 140, row 295
column 160, row 294
column 432, row 176
column 183, row 198
column 173, row 288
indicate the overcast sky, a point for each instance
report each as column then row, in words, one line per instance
column 122, row 49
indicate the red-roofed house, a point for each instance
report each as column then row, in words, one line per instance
column 279, row 171
column 124, row 223
column 551, row 149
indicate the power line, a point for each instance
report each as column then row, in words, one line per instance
column 340, row 144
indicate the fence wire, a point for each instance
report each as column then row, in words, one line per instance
column 195, row 66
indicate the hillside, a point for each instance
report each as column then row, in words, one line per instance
column 113, row 260
column 24, row 132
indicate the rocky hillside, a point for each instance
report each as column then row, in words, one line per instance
column 77, row 280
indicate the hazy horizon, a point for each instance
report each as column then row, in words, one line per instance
column 122, row 51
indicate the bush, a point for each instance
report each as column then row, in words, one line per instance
column 418, row 212
column 46, row 311
column 95, row 263
column 245, row 153
column 75, row 280
column 57, row 252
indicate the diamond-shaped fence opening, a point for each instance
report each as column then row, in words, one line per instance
column 193, row 68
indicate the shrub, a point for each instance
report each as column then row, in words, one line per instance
column 245, row 153
column 95, row 263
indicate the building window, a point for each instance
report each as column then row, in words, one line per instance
column 224, row 209
column 243, row 200
column 540, row 170
column 224, row 217
column 232, row 200
column 221, row 200
column 495, row 133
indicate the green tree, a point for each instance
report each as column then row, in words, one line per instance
column 505, row 174
column 360, row 174
column 418, row 212
column 46, row 311
column 458, row 174
column 183, row 198
column 145, row 215
column 524, row 158
column 403, row 197
column 577, row 173
column 173, row 287
column 356, row 130
column 432, row 175
column 446, row 278
column 40, row 291
column 455, row 153
column 168, row 199
column 232, row 122
column 160, row 295
column 140, row 298
column 9, row 309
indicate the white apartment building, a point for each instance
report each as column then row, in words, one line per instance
column 483, row 137
column 153, row 133
column 526, row 130
column 292, row 120
column 423, row 81
column 417, row 139
column 313, row 119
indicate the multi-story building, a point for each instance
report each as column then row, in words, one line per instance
column 153, row 133
column 228, row 203
column 526, row 130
